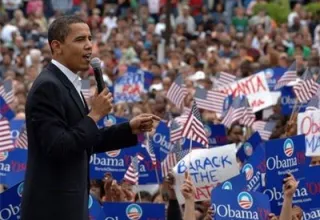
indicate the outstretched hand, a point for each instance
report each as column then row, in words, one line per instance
column 143, row 123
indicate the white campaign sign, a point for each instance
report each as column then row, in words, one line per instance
column 256, row 89
column 207, row 168
column 309, row 125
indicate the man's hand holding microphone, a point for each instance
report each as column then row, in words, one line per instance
column 101, row 104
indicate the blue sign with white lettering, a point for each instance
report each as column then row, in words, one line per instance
column 237, row 183
column 230, row 204
column 254, row 168
column 285, row 155
column 307, row 195
column 117, row 162
column 248, row 148
column 13, row 166
column 10, row 202
column 287, row 101
column 133, row 211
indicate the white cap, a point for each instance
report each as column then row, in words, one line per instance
column 197, row 76
column 157, row 87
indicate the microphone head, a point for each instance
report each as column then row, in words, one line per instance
column 95, row 62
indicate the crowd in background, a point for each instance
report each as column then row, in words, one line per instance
column 207, row 37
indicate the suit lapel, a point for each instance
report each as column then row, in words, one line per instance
column 85, row 103
column 66, row 82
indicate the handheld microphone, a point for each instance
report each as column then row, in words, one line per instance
column 96, row 65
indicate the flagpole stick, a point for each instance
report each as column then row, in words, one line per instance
column 139, row 195
column 156, row 166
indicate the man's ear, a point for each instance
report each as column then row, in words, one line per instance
column 56, row 47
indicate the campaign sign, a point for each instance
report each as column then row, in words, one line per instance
column 309, row 125
column 311, row 205
column 230, row 204
column 94, row 207
column 307, row 195
column 148, row 76
column 110, row 120
column 273, row 75
column 116, row 163
column 13, row 166
column 237, row 183
column 161, row 139
column 16, row 126
column 253, row 168
column 129, row 87
column 207, row 168
column 285, row 155
column 288, row 101
column 248, row 148
column 216, row 134
column 133, row 211
column 255, row 88
column 5, row 111
column 10, row 202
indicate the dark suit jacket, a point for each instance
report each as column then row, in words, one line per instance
column 61, row 138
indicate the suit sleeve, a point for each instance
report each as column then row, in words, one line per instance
column 48, row 117
column 115, row 137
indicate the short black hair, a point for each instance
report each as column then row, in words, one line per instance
column 60, row 28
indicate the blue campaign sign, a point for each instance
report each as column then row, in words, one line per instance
column 230, row 204
column 307, row 195
column 134, row 211
column 247, row 149
column 216, row 134
column 148, row 76
column 10, row 202
column 273, row 75
column 288, row 100
column 16, row 126
column 117, row 162
column 161, row 139
column 129, row 87
column 110, row 120
column 13, row 166
column 95, row 209
column 253, row 168
column 237, row 183
column 285, row 155
column 5, row 111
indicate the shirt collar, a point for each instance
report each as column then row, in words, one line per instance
column 73, row 77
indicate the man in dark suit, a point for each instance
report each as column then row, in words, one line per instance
column 62, row 133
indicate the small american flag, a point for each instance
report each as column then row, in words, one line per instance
column 264, row 128
column 22, row 140
column 85, row 88
column 6, row 91
column 132, row 174
column 151, row 153
column 171, row 160
column 210, row 100
column 6, row 142
column 287, row 77
column 175, row 131
column 235, row 112
column 193, row 128
column 177, row 91
column 5, row 110
column 224, row 79
column 306, row 87
column 248, row 116
column 314, row 102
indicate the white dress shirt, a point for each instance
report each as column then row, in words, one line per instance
column 73, row 77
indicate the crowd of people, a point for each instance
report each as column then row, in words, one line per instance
column 207, row 37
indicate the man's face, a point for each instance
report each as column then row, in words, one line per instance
column 76, row 50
